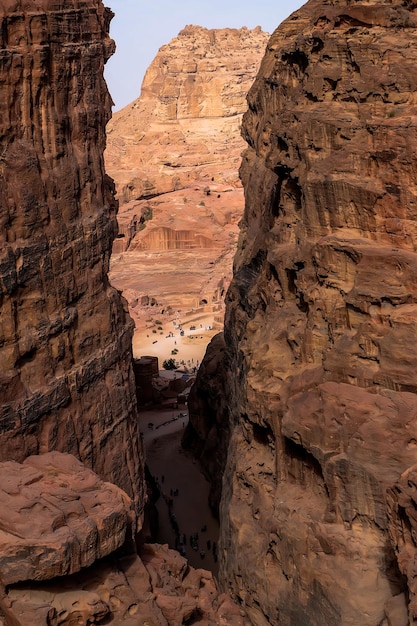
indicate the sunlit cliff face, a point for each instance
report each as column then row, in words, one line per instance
column 174, row 154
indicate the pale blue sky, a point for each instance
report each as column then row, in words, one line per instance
column 141, row 27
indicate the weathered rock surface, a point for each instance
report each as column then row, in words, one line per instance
column 321, row 322
column 156, row 589
column 402, row 507
column 56, row 517
column 174, row 154
column 67, row 555
column 66, row 380
column 207, row 433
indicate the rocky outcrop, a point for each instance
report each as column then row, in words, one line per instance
column 208, row 431
column 158, row 589
column 57, row 517
column 67, row 556
column 174, row 154
column 66, row 380
column 184, row 127
column 402, row 506
column 320, row 324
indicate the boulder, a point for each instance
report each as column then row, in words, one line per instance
column 57, row 517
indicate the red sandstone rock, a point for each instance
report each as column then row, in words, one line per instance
column 174, row 154
column 66, row 379
column 56, row 517
column 402, row 506
column 321, row 323
column 207, row 433
column 160, row 591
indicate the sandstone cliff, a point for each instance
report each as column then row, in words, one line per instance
column 66, row 379
column 174, row 154
column 320, row 326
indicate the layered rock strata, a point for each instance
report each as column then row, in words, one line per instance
column 174, row 154
column 66, row 380
column 320, row 324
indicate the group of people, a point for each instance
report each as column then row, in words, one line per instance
column 195, row 545
column 181, row 538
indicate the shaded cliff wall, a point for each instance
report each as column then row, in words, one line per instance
column 321, row 323
column 66, row 381
column 208, row 430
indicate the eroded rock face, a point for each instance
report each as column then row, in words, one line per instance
column 156, row 589
column 184, row 126
column 56, row 517
column 321, row 320
column 174, row 154
column 66, row 380
column 402, row 506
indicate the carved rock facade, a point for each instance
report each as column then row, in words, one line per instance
column 174, row 154
column 66, row 380
column 321, row 323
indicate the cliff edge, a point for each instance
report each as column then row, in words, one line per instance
column 320, row 325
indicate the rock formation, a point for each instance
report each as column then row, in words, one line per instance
column 174, row 154
column 207, row 432
column 68, row 540
column 57, row 519
column 158, row 589
column 320, row 326
column 66, row 380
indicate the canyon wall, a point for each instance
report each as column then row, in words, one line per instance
column 321, row 324
column 66, row 380
column 68, row 537
column 174, row 154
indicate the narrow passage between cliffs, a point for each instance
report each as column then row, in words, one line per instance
column 185, row 521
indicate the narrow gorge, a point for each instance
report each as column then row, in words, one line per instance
column 304, row 413
column 317, row 384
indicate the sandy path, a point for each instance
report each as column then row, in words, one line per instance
column 177, row 470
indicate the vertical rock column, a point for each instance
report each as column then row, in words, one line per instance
column 66, row 381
